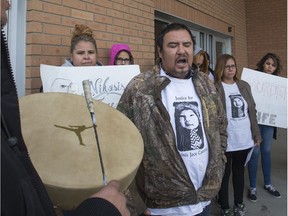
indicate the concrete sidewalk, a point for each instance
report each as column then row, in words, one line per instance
column 267, row 205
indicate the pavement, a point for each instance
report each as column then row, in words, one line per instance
column 266, row 204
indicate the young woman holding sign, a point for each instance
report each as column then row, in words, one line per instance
column 83, row 48
column 270, row 64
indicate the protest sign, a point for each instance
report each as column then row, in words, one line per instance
column 270, row 95
column 107, row 82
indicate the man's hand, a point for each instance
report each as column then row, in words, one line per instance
column 112, row 194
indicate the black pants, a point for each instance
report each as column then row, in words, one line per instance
column 236, row 161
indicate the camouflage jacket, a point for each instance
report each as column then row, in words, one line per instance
column 162, row 179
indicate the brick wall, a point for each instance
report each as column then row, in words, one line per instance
column 267, row 30
column 215, row 15
column 257, row 27
column 51, row 22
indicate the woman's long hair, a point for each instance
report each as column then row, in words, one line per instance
column 220, row 68
column 275, row 58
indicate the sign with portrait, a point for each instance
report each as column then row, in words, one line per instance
column 270, row 95
column 107, row 82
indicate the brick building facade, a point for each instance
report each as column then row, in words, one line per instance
column 252, row 27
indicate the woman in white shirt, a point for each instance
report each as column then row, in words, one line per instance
column 242, row 130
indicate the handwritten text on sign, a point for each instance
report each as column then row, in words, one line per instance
column 107, row 82
column 270, row 95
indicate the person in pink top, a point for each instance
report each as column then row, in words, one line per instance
column 120, row 54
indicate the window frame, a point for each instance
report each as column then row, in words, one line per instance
column 15, row 31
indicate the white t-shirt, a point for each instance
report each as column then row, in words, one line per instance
column 211, row 77
column 239, row 126
column 184, row 107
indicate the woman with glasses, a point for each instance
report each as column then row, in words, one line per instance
column 242, row 130
column 120, row 54
column 270, row 64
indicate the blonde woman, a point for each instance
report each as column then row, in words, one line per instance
column 201, row 62
column 242, row 130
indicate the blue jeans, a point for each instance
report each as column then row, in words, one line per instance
column 205, row 212
column 265, row 149
column 67, row 213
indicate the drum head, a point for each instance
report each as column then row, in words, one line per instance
column 59, row 134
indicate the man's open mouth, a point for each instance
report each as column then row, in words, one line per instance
column 181, row 60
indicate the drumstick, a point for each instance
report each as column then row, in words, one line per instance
column 90, row 105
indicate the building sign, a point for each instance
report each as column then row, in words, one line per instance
column 107, row 82
column 270, row 95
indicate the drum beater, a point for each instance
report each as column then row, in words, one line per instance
column 90, row 105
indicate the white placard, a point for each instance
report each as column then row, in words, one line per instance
column 249, row 155
column 107, row 82
column 270, row 95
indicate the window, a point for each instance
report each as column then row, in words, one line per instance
column 16, row 35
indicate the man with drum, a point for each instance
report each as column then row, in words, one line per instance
column 22, row 191
column 173, row 180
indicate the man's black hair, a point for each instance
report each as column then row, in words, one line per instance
column 173, row 27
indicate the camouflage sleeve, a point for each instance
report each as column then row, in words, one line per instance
column 222, row 119
column 125, row 104
column 223, row 126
